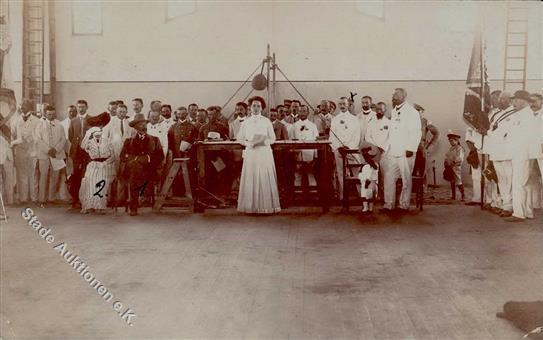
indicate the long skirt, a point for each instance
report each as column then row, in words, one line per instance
column 258, row 192
column 95, row 186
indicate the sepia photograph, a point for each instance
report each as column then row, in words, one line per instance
column 271, row 169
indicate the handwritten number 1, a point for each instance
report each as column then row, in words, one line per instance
column 142, row 188
column 100, row 186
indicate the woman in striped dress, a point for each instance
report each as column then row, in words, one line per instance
column 99, row 174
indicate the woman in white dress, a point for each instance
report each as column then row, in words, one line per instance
column 95, row 186
column 258, row 193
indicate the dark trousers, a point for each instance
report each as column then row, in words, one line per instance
column 80, row 165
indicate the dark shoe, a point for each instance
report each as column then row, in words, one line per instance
column 487, row 206
column 514, row 219
column 385, row 211
column 472, row 203
column 496, row 211
column 403, row 211
column 506, row 213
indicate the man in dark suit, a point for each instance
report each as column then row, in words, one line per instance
column 279, row 128
column 181, row 136
column 76, row 131
column 140, row 157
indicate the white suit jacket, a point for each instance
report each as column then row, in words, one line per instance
column 405, row 130
column 50, row 134
column 345, row 131
column 112, row 131
column 306, row 130
column 499, row 133
column 525, row 135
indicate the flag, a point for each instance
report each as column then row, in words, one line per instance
column 477, row 97
column 7, row 95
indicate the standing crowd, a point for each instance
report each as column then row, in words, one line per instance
column 121, row 159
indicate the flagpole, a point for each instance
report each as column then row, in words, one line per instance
column 483, row 158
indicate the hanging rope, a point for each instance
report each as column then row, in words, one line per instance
column 295, row 89
column 245, row 82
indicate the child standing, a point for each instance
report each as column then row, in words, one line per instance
column 369, row 176
column 453, row 165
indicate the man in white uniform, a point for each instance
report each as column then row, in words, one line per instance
column 524, row 134
column 23, row 133
column 501, row 152
column 537, row 170
column 241, row 114
column 344, row 133
column 167, row 119
column 365, row 116
column 492, row 200
column 378, row 128
column 50, row 144
column 155, row 128
column 305, row 130
column 399, row 158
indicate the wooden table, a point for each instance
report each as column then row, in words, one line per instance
column 323, row 154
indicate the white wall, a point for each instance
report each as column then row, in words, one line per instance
column 327, row 48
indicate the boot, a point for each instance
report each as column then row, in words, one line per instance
column 461, row 188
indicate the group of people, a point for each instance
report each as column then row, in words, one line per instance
column 117, row 158
column 511, row 150
column 114, row 158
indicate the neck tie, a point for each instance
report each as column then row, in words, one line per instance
column 122, row 127
column 50, row 134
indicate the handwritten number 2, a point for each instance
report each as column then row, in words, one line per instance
column 100, row 186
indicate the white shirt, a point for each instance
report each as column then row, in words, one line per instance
column 499, row 133
column 539, row 117
column 525, row 134
column 345, row 131
column 25, row 134
column 365, row 117
column 377, row 132
column 289, row 129
column 306, row 130
column 158, row 130
column 234, row 127
column 112, row 132
column 475, row 137
column 405, row 130
column 66, row 125
column 168, row 123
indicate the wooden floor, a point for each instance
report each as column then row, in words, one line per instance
column 441, row 274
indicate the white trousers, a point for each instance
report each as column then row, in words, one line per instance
column 522, row 204
column 7, row 174
column 504, row 171
column 48, row 180
column 25, row 166
column 394, row 168
column 476, row 180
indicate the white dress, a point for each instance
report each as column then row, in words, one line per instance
column 95, row 185
column 258, row 193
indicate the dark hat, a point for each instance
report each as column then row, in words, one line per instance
column 521, row 94
column 100, row 121
column 371, row 150
column 139, row 118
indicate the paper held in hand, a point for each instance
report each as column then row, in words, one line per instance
column 184, row 146
column 57, row 164
column 258, row 140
